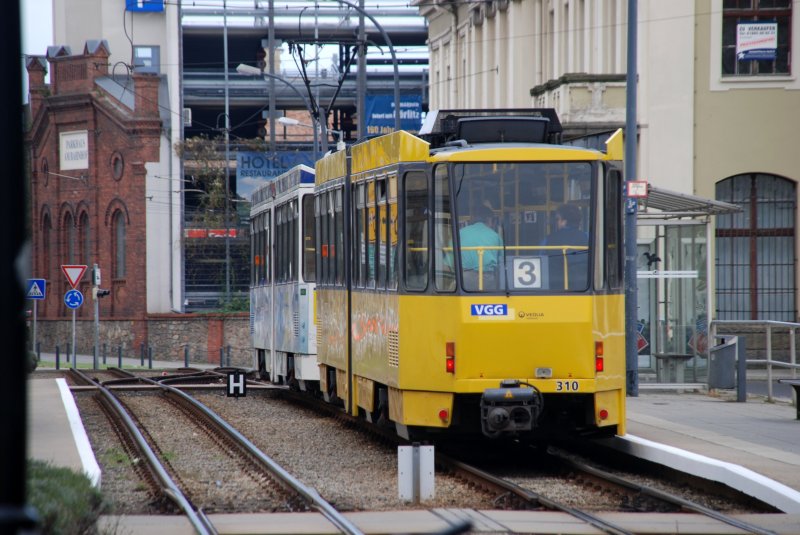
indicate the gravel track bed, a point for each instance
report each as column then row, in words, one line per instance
column 213, row 477
column 350, row 470
column 121, row 485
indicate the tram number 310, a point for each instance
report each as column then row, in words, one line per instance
column 566, row 386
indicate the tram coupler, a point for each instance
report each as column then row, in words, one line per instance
column 509, row 409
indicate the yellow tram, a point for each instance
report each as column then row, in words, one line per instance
column 451, row 294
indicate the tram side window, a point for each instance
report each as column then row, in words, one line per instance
column 323, row 238
column 381, row 241
column 416, row 231
column 600, row 231
column 613, row 226
column 294, row 239
column 319, row 237
column 309, row 239
column 266, row 248
column 444, row 276
column 259, row 239
column 338, row 257
column 254, row 253
column 359, row 241
column 391, row 281
column 371, row 234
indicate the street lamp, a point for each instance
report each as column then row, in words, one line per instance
column 289, row 121
column 249, row 69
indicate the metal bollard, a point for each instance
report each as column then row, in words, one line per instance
column 104, row 354
column 119, row 357
column 221, row 362
column 38, row 351
column 186, row 356
column 141, row 354
column 228, row 356
column 149, row 358
column 68, row 352
column 58, row 358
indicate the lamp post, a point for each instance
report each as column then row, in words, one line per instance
column 249, row 69
column 288, row 121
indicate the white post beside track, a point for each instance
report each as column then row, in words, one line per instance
column 415, row 473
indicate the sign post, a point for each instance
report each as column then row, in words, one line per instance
column 37, row 290
column 73, row 298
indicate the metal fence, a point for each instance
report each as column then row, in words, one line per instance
column 770, row 330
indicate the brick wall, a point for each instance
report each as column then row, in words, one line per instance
column 168, row 337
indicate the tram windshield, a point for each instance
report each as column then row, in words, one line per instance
column 522, row 226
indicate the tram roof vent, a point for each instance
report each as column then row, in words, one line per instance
column 532, row 125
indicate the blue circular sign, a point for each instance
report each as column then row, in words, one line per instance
column 73, row 298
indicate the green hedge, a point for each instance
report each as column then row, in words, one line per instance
column 65, row 501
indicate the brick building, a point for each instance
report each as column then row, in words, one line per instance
column 97, row 146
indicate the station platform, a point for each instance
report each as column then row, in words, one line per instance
column 752, row 446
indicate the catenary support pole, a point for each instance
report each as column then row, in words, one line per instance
column 631, row 313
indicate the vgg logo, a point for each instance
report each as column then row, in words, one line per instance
column 489, row 310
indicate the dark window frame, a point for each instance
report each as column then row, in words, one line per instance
column 736, row 11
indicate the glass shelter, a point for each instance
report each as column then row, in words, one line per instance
column 674, row 231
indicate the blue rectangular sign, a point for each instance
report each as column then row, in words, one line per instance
column 380, row 116
column 144, row 5
column 254, row 169
column 489, row 310
column 36, row 289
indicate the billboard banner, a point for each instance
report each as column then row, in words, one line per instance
column 253, row 169
column 380, row 116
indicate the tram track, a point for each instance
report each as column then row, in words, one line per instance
column 510, row 491
column 166, row 478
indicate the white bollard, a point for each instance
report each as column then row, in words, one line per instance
column 415, row 473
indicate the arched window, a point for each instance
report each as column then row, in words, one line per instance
column 85, row 238
column 755, row 249
column 119, row 236
column 47, row 245
column 69, row 239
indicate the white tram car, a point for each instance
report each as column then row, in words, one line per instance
column 282, row 280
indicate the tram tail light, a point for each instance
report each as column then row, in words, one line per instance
column 598, row 356
column 450, row 357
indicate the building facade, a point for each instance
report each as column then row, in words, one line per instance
column 96, row 146
column 143, row 38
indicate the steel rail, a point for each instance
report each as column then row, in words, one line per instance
column 530, row 496
column 317, row 502
column 662, row 495
column 197, row 519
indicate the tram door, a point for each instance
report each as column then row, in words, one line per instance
column 672, row 271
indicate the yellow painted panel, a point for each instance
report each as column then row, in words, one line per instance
column 332, row 327
column 614, row 402
column 614, row 146
column 374, row 318
column 386, row 150
column 331, row 167
column 419, row 408
column 557, row 333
